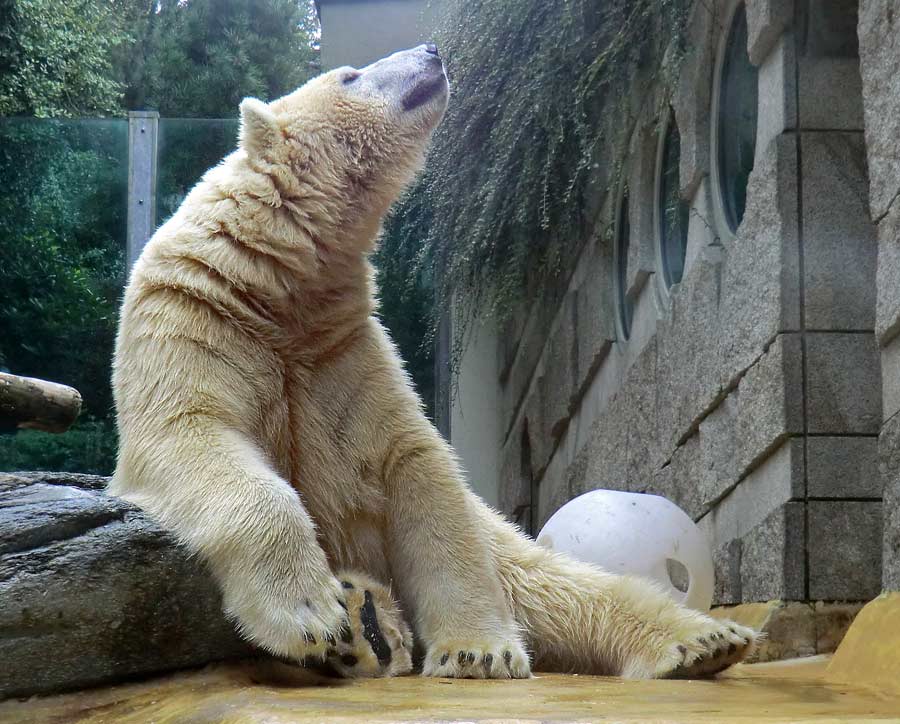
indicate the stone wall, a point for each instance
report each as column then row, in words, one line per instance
column 750, row 393
column 879, row 46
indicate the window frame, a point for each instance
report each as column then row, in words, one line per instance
column 662, row 272
column 623, row 311
column 720, row 213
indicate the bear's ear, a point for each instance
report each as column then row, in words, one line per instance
column 259, row 128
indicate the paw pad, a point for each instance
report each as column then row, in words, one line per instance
column 476, row 660
column 372, row 638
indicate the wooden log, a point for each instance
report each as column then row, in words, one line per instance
column 29, row 403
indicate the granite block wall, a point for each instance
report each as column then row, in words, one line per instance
column 750, row 393
column 879, row 50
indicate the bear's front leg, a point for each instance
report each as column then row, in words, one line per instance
column 213, row 488
column 443, row 565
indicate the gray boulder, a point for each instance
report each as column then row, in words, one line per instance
column 92, row 591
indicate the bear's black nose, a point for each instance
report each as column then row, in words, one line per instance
column 432, row 48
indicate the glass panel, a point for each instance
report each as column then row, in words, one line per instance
column 623, row 241
column 737, row 121
column 63, row 187
column 674, row 213
column 188, row 147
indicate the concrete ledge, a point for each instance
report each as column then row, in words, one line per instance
column 790, row 691
column 870, row 652
column 794, row 629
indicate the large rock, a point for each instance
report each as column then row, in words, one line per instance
column 93, row 591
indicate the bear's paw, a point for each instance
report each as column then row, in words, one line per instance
column 299, row 623
column 502, row 658
column 700, row 647
column 376, row 640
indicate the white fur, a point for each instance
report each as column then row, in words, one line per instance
column 266, row 419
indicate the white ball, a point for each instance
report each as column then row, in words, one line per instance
column 643, row 535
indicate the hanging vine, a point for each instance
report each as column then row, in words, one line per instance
column 539, row 87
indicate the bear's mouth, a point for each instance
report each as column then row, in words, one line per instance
column 423, row 92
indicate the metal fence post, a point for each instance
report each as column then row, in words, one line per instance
column 143, row 131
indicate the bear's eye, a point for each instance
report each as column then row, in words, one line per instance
column 349, row 78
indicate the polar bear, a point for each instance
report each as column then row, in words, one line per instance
column 266, row 419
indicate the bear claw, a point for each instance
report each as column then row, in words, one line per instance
column 477, row 662
column 708, row 654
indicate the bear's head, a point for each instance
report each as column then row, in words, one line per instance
column 351, row 137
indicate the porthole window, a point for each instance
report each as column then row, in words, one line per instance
column 672, row 212
column 735, row 121
column 624, row 305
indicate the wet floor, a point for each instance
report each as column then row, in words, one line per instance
column 786, row 691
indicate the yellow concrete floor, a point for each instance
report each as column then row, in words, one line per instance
column 792, row 691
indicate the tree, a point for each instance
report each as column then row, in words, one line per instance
column 201, row 58
column 56, row 58
column 62, row 231
column 62, row 207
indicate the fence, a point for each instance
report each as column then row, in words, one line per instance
column 78, row 200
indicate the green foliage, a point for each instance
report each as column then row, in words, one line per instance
column 201, row 58
column 187, row 148
column 56, row 58
column 405, row 307
column 185, row 59
column 62, row 234
column 64, row 184
column 541, row 94
column 89, row 446
column 407, row 295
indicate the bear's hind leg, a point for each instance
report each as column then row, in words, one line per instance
column 579, row 618
column 443, row 564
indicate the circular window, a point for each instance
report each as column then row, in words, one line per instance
column 673, row 213
column 624, row 305
column 736, row 121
